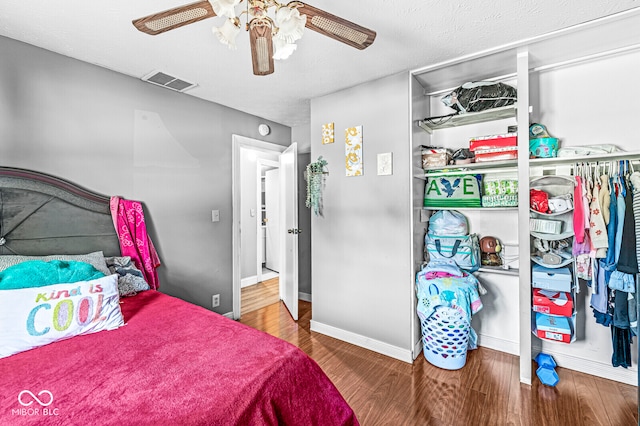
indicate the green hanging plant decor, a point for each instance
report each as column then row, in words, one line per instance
column 314, row 175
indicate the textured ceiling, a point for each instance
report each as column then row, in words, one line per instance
column 409, row 35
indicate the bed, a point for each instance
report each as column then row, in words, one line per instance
column 167, row 362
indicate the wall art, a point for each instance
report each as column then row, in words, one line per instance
column 353, row 151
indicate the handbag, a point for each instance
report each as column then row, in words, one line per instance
column 464, row 250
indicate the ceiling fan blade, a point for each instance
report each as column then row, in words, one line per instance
column 175, row 18
column 335, row 27
column 260, row 36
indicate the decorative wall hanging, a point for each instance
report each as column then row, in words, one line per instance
column 327, row 133
column 353, row 151
column 314, row 175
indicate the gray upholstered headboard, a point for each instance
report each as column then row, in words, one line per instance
column 41, row 214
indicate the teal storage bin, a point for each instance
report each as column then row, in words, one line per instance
column 543, row 147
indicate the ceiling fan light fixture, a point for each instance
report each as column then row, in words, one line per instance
column 283, row 49
column 228, row 32
column 290, row 24
column 261, row 38
column 225, row 7
column 273, row 27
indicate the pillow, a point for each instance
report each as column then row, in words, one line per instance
column 34, row 317
column 96, row 259
column 37, row 273
column 130, row 279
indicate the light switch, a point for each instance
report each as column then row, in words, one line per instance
column 215, row 215
column 252, row 212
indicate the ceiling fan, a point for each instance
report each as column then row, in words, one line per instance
column 270, row 37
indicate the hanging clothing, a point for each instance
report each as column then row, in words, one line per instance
column 609, row 263
column 597, row 226
column 620, row 331
column 635, row 184
column 578, row 212
column 600, row 295
column 628, row 259
column 605, row 197
column 633, row 313
column 128, row 219
column 621, row 192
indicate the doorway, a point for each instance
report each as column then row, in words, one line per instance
column 250, row 158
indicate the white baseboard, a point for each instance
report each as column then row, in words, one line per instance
column 228, row 315
column 484, row 341
column 362, row 341
column 304, row 296
column 498, row 344
column 246, row 282
column 417, row 349
column 595, row 368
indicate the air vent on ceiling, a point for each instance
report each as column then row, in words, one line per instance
column 168, row 81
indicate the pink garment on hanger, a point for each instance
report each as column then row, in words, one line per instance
column 128, row 219
column 578, row 212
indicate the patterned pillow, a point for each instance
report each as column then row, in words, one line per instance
column 37, row 316
column 130, row 279
column 96, row 259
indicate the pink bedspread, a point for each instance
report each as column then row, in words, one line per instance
column 174, row 363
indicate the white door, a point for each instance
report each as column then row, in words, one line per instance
column 289, row 229
column 272, row 218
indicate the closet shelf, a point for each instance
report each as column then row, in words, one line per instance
column 435, row 123
column 472, row 168
column 471, row 208
column 614, row 156
column 499, row 270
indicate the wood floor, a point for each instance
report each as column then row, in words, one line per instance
column 486, row 391
column 258, row 296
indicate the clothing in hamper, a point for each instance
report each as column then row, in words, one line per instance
column 460, row 293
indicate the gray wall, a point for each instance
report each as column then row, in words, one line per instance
column 117, row 135
column 301, row 135
column 361, row 266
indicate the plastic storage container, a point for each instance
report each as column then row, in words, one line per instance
column 445, row 338
column 543, row 147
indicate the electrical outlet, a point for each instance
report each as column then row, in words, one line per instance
column 215, row 301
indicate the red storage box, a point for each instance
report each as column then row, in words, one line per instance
column 496, row 154
column 552, row 327
column 552, row 335
column 481, row 143
column 552, row 302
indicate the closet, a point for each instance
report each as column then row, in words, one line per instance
column 581, row 84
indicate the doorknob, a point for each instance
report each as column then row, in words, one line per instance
column 294, row 231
